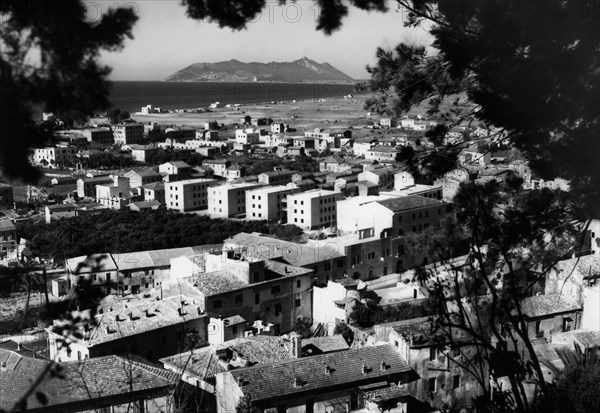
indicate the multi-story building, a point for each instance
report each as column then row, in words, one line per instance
column 141, row 153
column 218, row 166
column 368, row 379
column 8, row 239
column 152, row 329
column 128, row 133
column 188, row 195
column 247, row 136
column 326, row 259
column 279, row 127
column 275, row 177
column 141, row 177
column 442, row 360
column 233, row 283
column 313, row 209
column 382, row 154
column 86, row 187
column 154, row 192
column 98, row 136
column 268, row 203
column 115, row 195
column 228, row 200
column 376, row 228
column 6, row 195
column 56, row 156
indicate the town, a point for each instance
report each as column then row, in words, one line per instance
column 335, row 317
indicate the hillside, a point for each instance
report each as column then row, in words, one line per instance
column 301, row 70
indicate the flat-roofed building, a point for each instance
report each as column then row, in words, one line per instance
column 98, row 136
column 313, row 209
column 268, row 203
column 128, row 133
column 276, row 177
column 86, row 187
column 188, row 195
column 228, row 200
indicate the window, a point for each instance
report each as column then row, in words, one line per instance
column 298, row 283
column 218, row 303
column 234, row 329
column 340, row 264
column 297, row 302
column 433, row 353
column 432, row 385
column 276, row 289
column 257, row 298
column 277, row 309
column 107, row 277
column 567, row 323
column 238, row 299
column 456, row 381
column 327, row 266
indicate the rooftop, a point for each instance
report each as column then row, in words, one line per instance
column 383, row 149
column 83, row 382
column 314, row 193
column 320, row 373
column 327, row 344
column 543, row 305
column 217, row 282
column 202, row 363
column 409, row 202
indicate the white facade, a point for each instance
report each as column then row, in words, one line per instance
column 313, row 209
column 591, row 308
column 188, row 195
column 267, row 203
column 58, row 155
column 225, row 201
column 114, row 196
column 127, row 134
column 247, row 136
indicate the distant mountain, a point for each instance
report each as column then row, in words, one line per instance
column 301, row 70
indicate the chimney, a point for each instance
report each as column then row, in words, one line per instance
column 297, row 382
column 19, row 346
column 383, row 366
column 364, row 368
column 295, row 345
column 327, row 369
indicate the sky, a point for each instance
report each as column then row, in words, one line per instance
column 166, row 40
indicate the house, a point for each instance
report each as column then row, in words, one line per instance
column 128, row 133
column 382, row 154
column 546, row 315
column 144, row 205
column 55, row 156
column 246, row 136
column 154, row 191
column 339, row 381
column 279, row 127
column 114, row 195
column 59, row 211
column 382, row 177
column 573, row 276
column 334, row 302
column 275, row 177
column 179, row 168
column 334, row 163
column 140, row 153
column 99, row 384
column 218, row 166
column 268, row 203
column 141, row 177
column 207, row 150
column 188, row 195
column 234, row 172
column 152, row 329
column 360, row 148
column 98, row 136
column 8, row 239
column 229, row 200
column 324, row 258
column 303, row 185
column 387, row 122
column 451, row 181
column 233, row 283
column 6, row 195
column 313, row 209
column 444, row 370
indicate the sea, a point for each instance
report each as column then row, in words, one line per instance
column 131, row 96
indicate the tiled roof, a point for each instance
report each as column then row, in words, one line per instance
column 154, row 185
column 179, row 164
column 325, row 344
column 543, row 305
column 202, row 363
column 148, row 316
column 217, row 282
column 588, row 339
column 281, row 379
column 383, row 149
column 147, row 204
column 7, row 225
column 261, row 349
column 233, row 320
column 408, row 202
column 91, row 263
column 285, row 269
column 98, row 179
column 90, row 383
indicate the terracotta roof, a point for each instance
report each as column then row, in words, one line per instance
column 287, row 378
column 587, row 339
column 148, row 316
column 91, row 383
column 154, row 185
column 543, row 305
column 217, row 282
column 325, row 344
column 408, row 202
column 261, row 349
column 202, row 363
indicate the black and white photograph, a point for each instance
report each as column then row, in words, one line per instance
column 300, row 206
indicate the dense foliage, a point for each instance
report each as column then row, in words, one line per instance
column 367, row 315
column 125, row 231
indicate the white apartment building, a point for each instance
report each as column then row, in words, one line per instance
column 128, row 133
column 267, row 203
column 247, row 136
column 225, row 201
column 188, row 195
column 54, row 155
column 114, row 195
column 313, row 209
